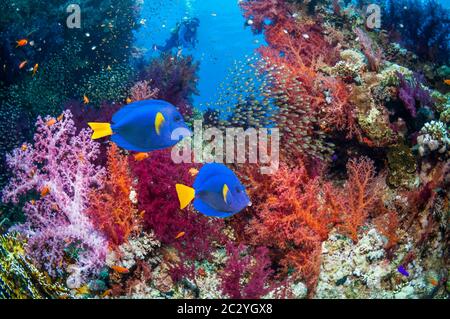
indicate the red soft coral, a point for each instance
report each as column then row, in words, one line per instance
column 111, row 209
column 157, row 197
column 260, row 11
column 244, row 275
column 294, row 221
column 338, row 113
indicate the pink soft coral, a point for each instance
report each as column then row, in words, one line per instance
column 59, row 167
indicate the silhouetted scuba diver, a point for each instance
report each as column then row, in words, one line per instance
column 183, row 36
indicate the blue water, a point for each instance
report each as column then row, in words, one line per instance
column 222, row 37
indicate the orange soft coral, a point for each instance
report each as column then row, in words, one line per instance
column 111, row 209
column 359, row 196
column 294, row 220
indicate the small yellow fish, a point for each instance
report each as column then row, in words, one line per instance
column 85, row 99
column 33, row 202
column 59, row 118
column 45, row 191
column 180, row 234
column 106, row 293
column 141, row 156
column 21, row 43
column 35, row 68
column 193, row 171
column 22, row 64
column 447, row 81
column 50, row 122
column 128, row 100
column 120, row 270
column 24, row 147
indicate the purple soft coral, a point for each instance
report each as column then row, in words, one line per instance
column 412, row 91
column 59, row 166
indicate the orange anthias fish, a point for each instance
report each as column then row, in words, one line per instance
column 50, row 122
column 22, row 64
column 141, row 156
column 193, row 171
column 35, row 68
column 433, row 281
column 120, row 270
column 180, row 234
column 45, row 191
column 85, row 99
column 21, row 43
column 59, row 118
column 202, row 272
column 447, row 81
column 128, row 100
column 24, row 147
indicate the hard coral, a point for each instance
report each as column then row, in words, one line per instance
column 111, row 209
column 59, row 167
column 19, row 278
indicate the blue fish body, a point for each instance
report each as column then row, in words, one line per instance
column 134, row 129
column 209, row 199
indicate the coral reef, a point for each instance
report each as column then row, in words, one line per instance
column 358, row 208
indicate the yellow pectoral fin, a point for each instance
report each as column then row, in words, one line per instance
column 159, row 121
column 100, row 130
column 185, row 194
column 225, row 191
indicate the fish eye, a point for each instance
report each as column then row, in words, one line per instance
column 238, row 190
column 177, row 118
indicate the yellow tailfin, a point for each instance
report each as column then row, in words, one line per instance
column 185, row 194
column 100, row 130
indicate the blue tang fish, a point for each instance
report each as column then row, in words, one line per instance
column 143, row 126
column 216, row 192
